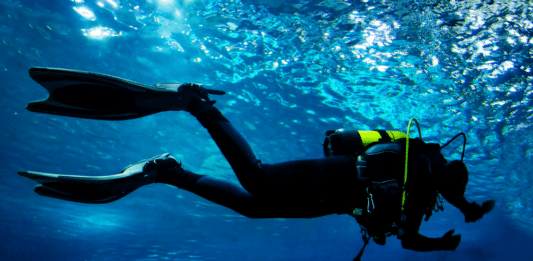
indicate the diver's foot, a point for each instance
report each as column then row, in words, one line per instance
column 152, row 168
column 192, row 94
column 167, row 169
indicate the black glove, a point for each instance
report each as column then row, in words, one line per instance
column 449, row 241
column 475, row 211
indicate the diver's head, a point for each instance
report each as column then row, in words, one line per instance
column 453, row 183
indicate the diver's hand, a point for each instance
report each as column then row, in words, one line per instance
column 475, row 211
column 488, row 205
column 199, row 92
column 450, row 241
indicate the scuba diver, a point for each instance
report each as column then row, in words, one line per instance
column 385, row 179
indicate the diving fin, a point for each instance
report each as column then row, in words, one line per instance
column 98, row 96
column 100, row 189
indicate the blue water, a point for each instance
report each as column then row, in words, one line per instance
column 291, row 70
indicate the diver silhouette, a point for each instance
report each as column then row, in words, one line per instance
column 386, row 180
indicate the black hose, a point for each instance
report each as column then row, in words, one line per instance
column 452, row 139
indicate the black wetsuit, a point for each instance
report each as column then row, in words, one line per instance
column 305, row 188
column 293, row 189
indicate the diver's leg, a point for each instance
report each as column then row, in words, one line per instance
column 264, row 179
column 231, row 143
column 292, row 201
column 218, row 191
column 306, row 188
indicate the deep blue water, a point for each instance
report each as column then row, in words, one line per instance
column 291, row 70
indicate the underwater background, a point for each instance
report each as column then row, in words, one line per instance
column 292, row 69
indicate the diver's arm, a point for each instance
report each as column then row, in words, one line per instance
column 417, row 242
column 459, row 202
column 412, row 240
column 472, row 210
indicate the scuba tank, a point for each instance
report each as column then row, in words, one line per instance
column 341, row 141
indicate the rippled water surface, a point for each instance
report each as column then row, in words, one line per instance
column 291, row 70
